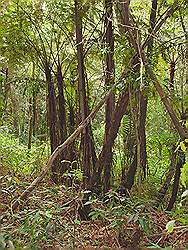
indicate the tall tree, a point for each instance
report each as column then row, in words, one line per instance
column 83, row 101
column 109, row 82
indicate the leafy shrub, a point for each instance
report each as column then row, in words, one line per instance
column 16, row 157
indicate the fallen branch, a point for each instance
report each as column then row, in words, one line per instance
column 59, row 150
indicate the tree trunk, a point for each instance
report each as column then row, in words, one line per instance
column 172, row 73
column 34, row 112
column 179, row 164
column 83, row 103
column 142, row 132
column 61, row 105
column 58, row 151
column 109, row 81
column 103, row 159
column 143, row 100
column 130, row 175
column 185, row 111
column 72, row 149
column 163, row 190
column 153, row 15
column 30, row 125
column 52, row 118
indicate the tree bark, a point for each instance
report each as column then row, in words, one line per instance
column 109, row 81
column 142, row 132
column 52, row 118
column 30, row 124
column 153, row 15
column 130, row 174
column 83, row 103
column 103, row 159
column 163, row 190
column 143, row 100
column 34, row 112
column 61, row 105
column 133, row 36
column 179, row 164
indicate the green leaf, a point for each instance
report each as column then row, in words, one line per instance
column 170, row 226
column 144, row 225
column 185, row 193
column 77, row 222
column 184, row 174
column 182, row 146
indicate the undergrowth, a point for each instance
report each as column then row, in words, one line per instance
column 17, row 158
column 50, row 218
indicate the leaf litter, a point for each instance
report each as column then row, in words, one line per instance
column 50, row 220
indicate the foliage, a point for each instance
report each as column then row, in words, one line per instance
column 52, row 220
column 15, row 157
column 39, row 37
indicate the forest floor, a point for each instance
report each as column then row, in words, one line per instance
column 49, row 219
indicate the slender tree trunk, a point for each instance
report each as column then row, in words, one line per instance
column 180, row 154
column 61, row 105
column 153, row 15
column 179, row 164
column 30, row 125
column 143, row 99
column 86, row 138
column 172, row 73
column 34, row 112
column 163, row 190
column 52, row 118
column 130, row 175
column 142, row 132
column 103, row 159
column 72, row 155
column 109, row 81
column 185, row 110
column 129, row 154
column 186, row 49
column 52, row 113
column 62, row 119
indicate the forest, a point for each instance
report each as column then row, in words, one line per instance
column 93, row 124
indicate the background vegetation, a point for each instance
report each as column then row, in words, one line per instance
column 123, row 180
